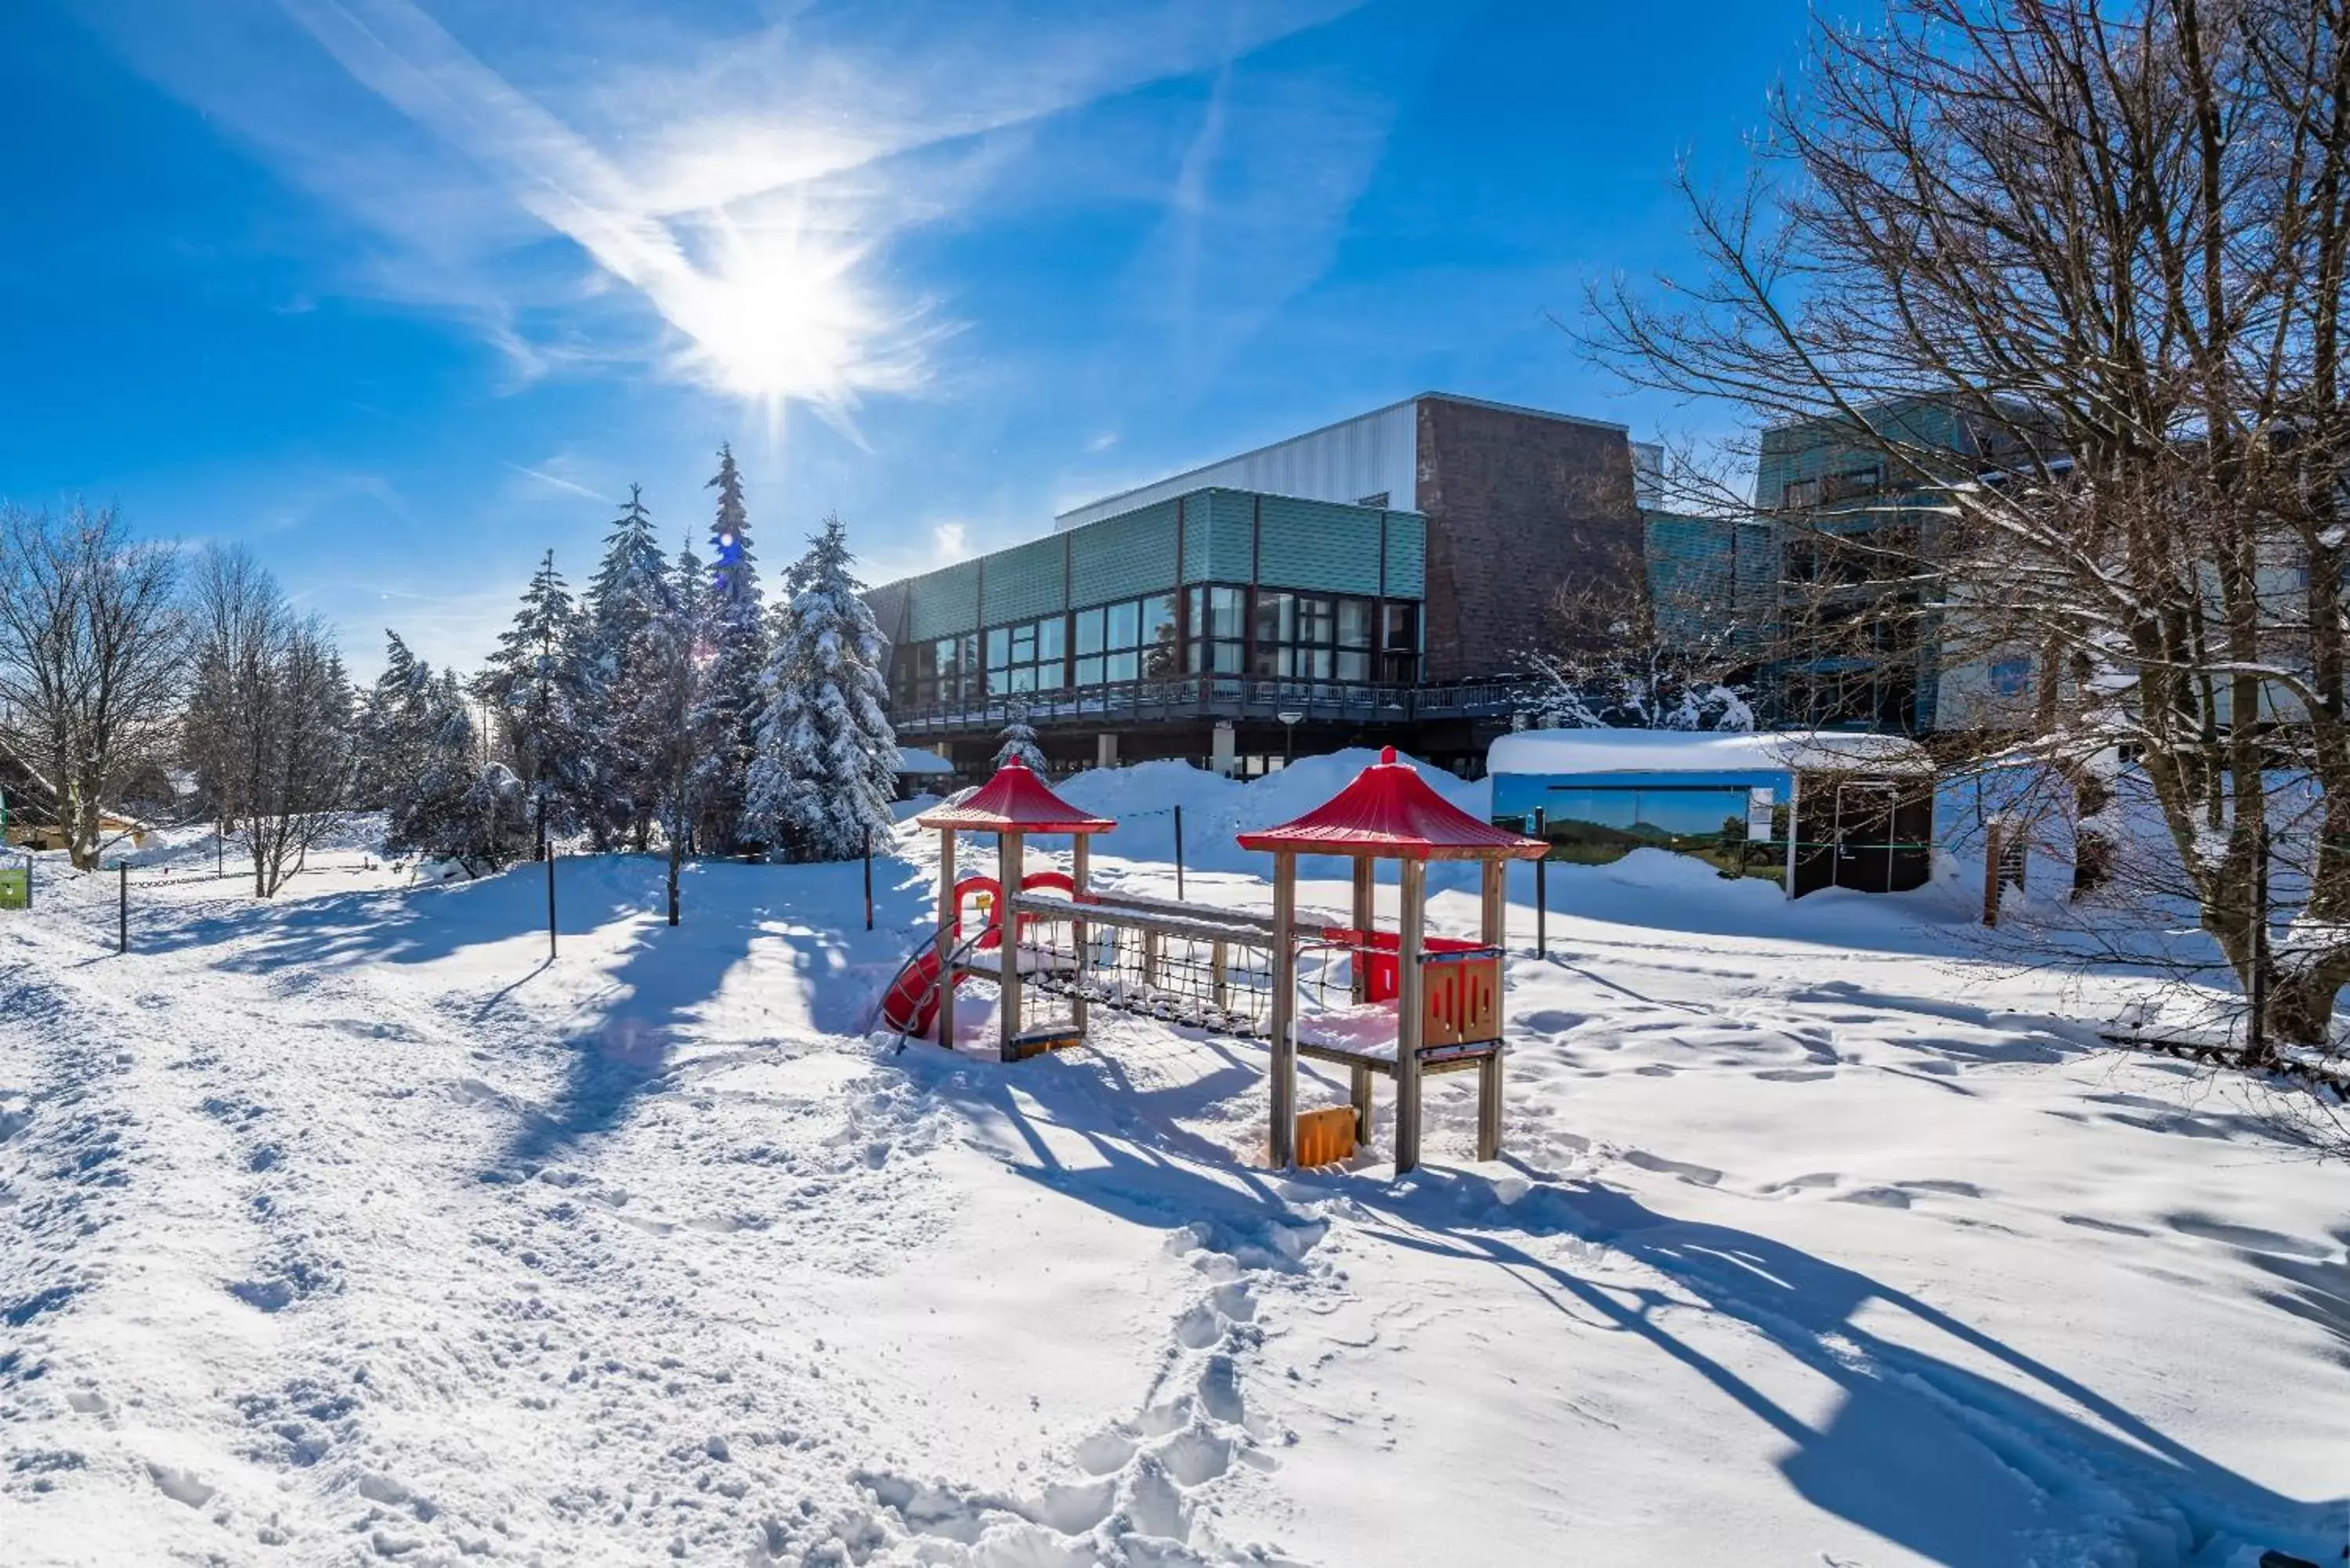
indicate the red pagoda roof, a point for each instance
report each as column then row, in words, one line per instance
column 1389, row 811
column 1014, row 801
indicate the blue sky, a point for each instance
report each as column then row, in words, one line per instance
column 402, row 292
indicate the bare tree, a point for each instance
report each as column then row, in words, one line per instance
column 1645, row 644
column 90, row 659
column 269, row 722
column 2075, row 273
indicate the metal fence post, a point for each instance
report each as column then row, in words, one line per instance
column 550, row 900
column 1179, row 853
column 122, row 886
column 1542, row 888
column 869, row 875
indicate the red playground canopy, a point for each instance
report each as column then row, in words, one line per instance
column 1389, row 811
column 1014, row 801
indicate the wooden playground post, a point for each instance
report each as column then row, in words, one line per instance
column 1410, row 998
column 1360, row 915
column 945, row 1018
column 1010, row 856
column 1080, row 869
column 1285, row 1010
column 1992, row 885
column 1494, row 934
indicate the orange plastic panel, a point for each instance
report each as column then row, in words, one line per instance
column 1326, row 1136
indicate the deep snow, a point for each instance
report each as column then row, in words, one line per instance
column 349, row 1228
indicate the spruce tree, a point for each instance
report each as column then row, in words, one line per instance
column 671, row 658
column 535, row 682
column 1018, row 740
column 628, row 589
column 455, row 807
column 827, row 761
column 393, row 727
column 726, row 718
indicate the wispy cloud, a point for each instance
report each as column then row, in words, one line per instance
column 735, row 195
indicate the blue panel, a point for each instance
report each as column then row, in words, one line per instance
column 1316, row 545
column 1407, row 556
column 1123, row 556
column 1026, row 581
column 944, row 602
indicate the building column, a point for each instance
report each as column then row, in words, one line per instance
column 1223, row 748
column 1106, row 750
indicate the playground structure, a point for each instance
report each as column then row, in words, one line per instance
column 1412, row 1004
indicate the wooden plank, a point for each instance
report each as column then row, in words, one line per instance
column 1284, row 1013
column 1010, row 857
column 945, row 1021
column 1489, row 1108
column 1080, row 868
column 1410, row 1005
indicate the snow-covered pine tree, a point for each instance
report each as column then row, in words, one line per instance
column 1018, row 740
column 392, row 728
column 455, row 807
column 671, row 658
column 725, row 720
column 828, row 759
column 535, row 684
column 621, row 600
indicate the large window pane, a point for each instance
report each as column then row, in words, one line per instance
column 1122, row 666
column 1313, row 620
column 1089, row 631
column 1353, row 623
column 1353, row 665
column 999, row 682
column 1024, row 644
column 1125, row 625
column 1049, row 637
column 1232, row 659
column 1224, row 613
column 1277, row 617
column 999, row 649
column 1401, row 633
column 1089, row 672
column 1023, row 676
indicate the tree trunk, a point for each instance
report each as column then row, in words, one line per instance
column 676, row 853
column 2300, row 1013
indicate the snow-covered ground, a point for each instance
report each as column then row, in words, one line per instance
column 350, row 1228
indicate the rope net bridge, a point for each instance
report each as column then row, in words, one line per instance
column 1398, row 1004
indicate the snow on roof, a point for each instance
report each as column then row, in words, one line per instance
column 1704, row 750
column 911, row 761
column 1014, row 801
column 1389, row 810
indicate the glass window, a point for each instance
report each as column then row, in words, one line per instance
column 1313, row 621
column 1276, row 618
column 1023, row 676
column 1401, row 633
column 1024, row 644
column 1354, row 665
column 1089, row 631
column 1225, row 608
column 999, row 648
column 1125, row 625
column 1089, row 672
column 1353, row 623
column 1049, row 637
column 999, row 682
column 1122, row 666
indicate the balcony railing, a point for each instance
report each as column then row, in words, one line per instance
column 1219, row 696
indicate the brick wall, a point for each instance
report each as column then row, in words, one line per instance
column 1515, row 505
